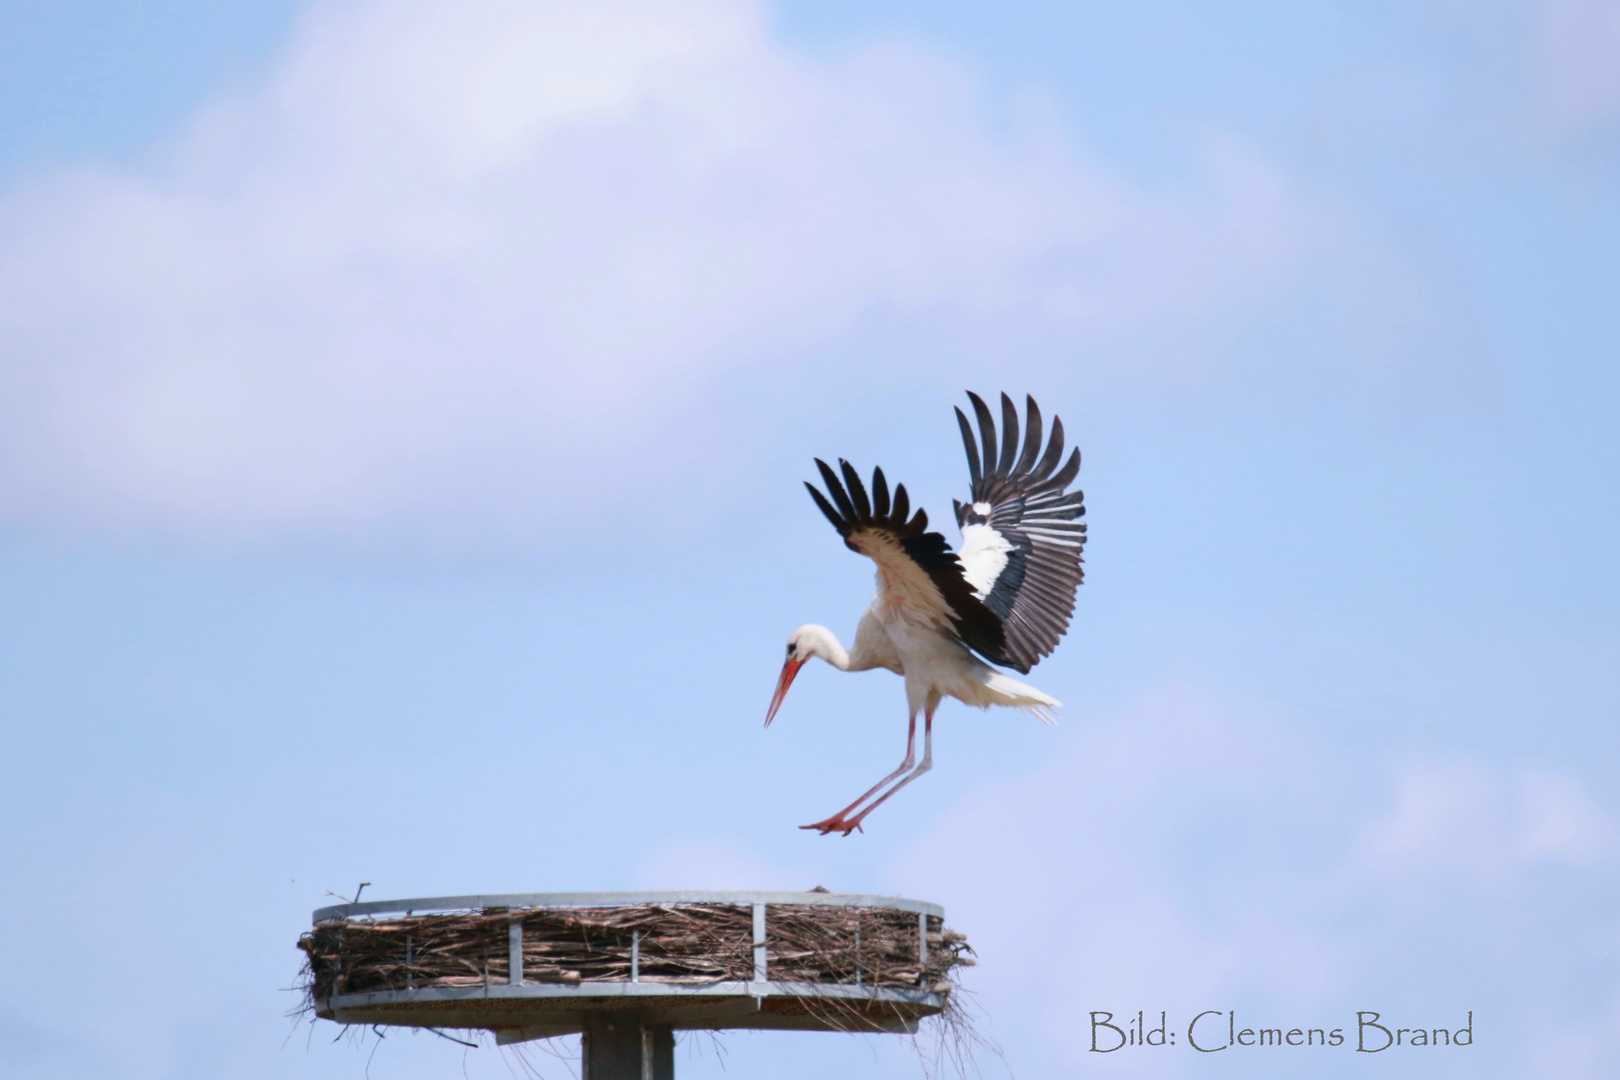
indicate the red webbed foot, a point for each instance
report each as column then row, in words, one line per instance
column 835, row 823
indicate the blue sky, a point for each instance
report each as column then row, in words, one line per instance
column 403, row 409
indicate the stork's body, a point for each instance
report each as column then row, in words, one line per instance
column 1007, row 596
column 934, row 666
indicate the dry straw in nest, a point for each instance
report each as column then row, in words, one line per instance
column 677, row 944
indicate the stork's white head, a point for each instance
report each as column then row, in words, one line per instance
column 803, row 643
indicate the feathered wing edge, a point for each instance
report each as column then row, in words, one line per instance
column 848, row 507
column 1029, row 509
column 999, row 475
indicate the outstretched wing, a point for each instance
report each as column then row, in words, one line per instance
column 1021, row 537
column 916, row 568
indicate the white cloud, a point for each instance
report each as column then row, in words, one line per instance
column 1198, row 853
column 1466, row 818
column 454, row 251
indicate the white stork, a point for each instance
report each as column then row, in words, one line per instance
column 1007, row 596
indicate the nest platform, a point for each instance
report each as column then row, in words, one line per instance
column 539, row 965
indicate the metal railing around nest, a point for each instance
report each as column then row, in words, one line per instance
column 699, row 959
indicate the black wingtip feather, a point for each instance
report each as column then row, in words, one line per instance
column 1066, row 475
column 1054, row 452
column 856, row 489
column 1009, row 435
column 827, row 508
column 1032, row 434
column 974, row 472
column 880, row 494
column 836, row 490
column 987, row 432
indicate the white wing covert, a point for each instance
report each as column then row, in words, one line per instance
column 1021, row 537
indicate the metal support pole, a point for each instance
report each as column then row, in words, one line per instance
column 623, row 1048
column 857, row 947
column 922, row 948
column 514, row 952
column 759, row 943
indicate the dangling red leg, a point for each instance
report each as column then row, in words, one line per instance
column 927, row 763
column 837, row 820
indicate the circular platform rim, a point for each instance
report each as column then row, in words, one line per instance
column 430, row 904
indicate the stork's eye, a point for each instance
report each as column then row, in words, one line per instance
column 790, row 648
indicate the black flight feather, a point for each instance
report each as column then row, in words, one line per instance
column 1009, row 435
column 987, row 433
column 971, row 446
column 1032, row 435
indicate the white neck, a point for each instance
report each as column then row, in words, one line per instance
column 820, row 641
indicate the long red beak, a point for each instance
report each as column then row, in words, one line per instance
column 789, row 669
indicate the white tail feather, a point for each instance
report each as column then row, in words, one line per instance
column 1011, row 692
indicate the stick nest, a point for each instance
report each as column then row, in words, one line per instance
column 678, row 944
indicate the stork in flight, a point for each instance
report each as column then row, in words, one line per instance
column 1007, row 596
